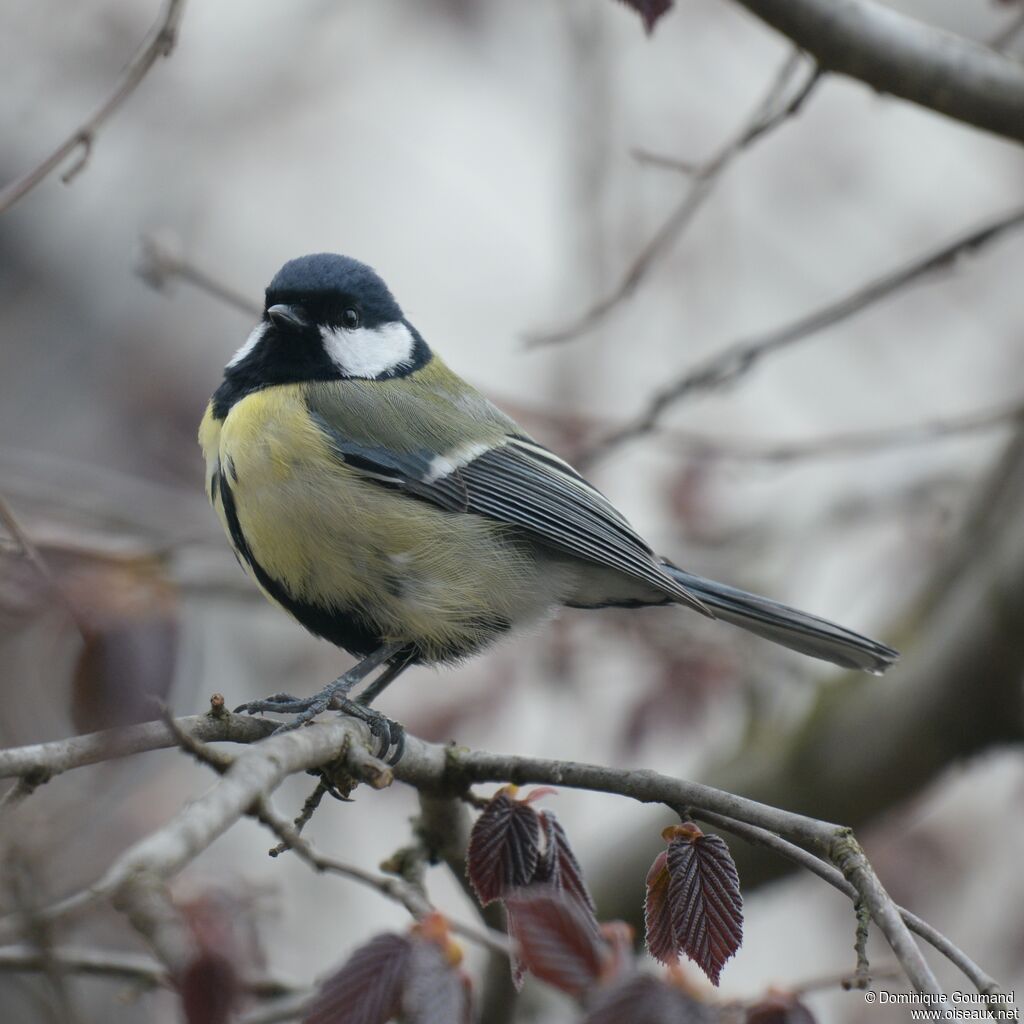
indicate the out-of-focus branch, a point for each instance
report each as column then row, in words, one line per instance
column 28, row 549
column 164, row 264
column 983, row 982
column 739, row 358
column 897, row 54
column 136, row 968
column 958, row 694
column 161, row 262
column 1002, row 39
column 160, row 43
column 854, row 443
column 36, row 560
column 702, row 179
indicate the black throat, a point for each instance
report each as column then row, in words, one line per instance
column 295, row 359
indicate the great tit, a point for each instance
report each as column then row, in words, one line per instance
column 394, row 511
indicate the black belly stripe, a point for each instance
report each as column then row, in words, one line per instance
column 344, row 628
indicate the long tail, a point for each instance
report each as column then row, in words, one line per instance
column 787, row 626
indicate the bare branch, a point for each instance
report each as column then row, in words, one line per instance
column 133, row 967
column 894, row 53
column 28, row 549
column 1008, row 33
column 703, row 178
column 36, row 560
column 983, row 982
column 433, row 769
column 78, row 751
column 855, row 443
column 160, row 43
column 844, row 981
column 161, row 262
column 737, row 359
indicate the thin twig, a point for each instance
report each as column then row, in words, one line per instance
column 309, row 807
column 133, row 967
column 21, row 790
column 36, row 560
column 846, row 981
column 853, row 443
column 710, row 445
column 983, row 982
column 1006, row 35
column 862, row 972
column 159, row 44
column 728, row 365
column 161, row 262
column 702, row 180
column 28, row 549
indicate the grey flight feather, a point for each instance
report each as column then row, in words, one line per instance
column 524, row 485
column 797, row 630
column 519, row 482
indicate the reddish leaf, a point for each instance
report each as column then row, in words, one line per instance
column 504, row 847
column 435, row 992
column 659, row 933
column 210, row 989
column 620, row 938
column 558, row 864
column 556, row 939
column 704, row 897
column 779, row 1008
column 368, row 987
column 211, row 986
column 641, row 999
column 649, row 10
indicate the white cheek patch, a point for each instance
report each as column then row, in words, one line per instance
column 255, row 337
column 368, row 352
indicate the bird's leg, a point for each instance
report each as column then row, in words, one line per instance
column 396, row 666
column 388, row 732
column 309, row 707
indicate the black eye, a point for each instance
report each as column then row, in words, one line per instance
column 350, row 319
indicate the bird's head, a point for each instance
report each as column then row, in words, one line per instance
column 327, row 317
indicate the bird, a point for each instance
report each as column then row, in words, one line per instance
column 393, row 510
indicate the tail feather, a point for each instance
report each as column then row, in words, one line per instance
column 787, row 626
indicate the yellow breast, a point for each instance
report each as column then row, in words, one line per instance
column 336, row 540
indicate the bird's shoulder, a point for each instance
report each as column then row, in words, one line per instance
column 431, row 410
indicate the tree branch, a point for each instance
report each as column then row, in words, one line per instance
column 161, row 262
column 854, row 443
column 133, row 967
column 159, row 44
column 703, row 177
column 982, row 981
column 433, row 769
column 737, row 359
column 897, row 54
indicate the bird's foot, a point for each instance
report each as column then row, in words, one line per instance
column 390, row 735
column 281, row 703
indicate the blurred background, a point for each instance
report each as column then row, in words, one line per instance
column 484, row 158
